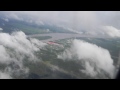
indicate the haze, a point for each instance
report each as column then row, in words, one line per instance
column 90, row 21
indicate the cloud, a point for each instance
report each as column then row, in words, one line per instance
column 5, row 19
column 111, row 31
column 89, row 70
column 37, row 43
column 96, row 60
column 4, row 75
column 13, row 16
column 4, row 56
column 1, row 29
column 14, row 49
column 90, row 22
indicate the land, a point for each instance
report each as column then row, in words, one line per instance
column 49, row 66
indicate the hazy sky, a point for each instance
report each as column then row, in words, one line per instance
column 91, row 21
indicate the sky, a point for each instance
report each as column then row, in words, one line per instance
column 93, row 22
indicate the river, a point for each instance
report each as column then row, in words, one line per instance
column 57, row 36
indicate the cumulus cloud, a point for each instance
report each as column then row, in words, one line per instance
column 14, row 49
column 13, row 16
column 95, row 58
column 89, row 70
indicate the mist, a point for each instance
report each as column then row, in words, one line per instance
column 96, row 61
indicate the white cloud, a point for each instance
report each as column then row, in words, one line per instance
column 4, row 56
column 111, row 31
column 94, row 57
column 1, row 29
column 89, row 70
column 37, row 43
column 14, row 49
